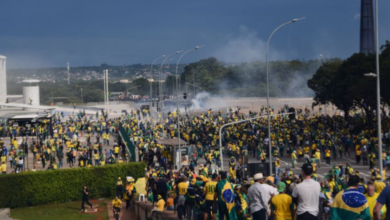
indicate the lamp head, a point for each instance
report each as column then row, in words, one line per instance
column 297, row 19
column 197, row 47
column 370, row 74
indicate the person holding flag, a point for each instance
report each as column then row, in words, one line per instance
column 241, row 203
column 225, row 195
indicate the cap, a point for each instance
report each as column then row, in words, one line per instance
column 281, row 186
column 258, row 176
column 307, row 168
column 271, row 179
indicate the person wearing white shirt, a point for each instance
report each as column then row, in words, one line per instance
column 306, row 195
column 258, row 197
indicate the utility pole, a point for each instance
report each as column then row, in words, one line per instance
column 68, row 74
column 104, row 93
column 108, row 98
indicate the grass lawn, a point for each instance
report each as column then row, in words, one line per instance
column 65, row 211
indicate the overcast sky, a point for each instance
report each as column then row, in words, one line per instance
column 48, row 33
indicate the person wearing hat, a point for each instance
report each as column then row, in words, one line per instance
column 282, row 206
column 119, row 188
column 306, row 195
column 258, row 198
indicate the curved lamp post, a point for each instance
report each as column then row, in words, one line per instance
column 268, row 107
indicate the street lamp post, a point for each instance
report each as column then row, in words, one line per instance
column 151, row 82
column 177, row 100
column 268, row 107
column 378, row 90
column 160, row 78
column 82, row 100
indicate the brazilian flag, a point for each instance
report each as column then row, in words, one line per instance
column 350, row 204
column 226, row 199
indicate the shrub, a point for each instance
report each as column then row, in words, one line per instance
column 56, row 186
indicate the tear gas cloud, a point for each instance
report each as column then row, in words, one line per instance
column 248, row 49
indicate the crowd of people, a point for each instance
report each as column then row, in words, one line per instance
column 210, row 194
column 201, row 192
column 57, row 143
column 207, row 191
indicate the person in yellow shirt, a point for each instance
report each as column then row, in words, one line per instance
column 159, row 206
column 317, row 156
column 371, row 196
column 300, row 154
column 116, row 205
column 3, row 168
column 181, row 190
column 293, row 158
column 306, row 149
column 331, row 183
column 210, row 192
column 327, row 156
column 313, row 148
column 116, row 151
column 282, row 206
column 263, row 156
column 277, row 166
column 232, row 173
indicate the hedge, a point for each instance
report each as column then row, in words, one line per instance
column 57, row 186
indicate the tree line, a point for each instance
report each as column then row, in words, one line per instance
column 343, row 82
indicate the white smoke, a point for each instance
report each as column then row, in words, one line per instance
column 245, row 47
column 200, row 100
